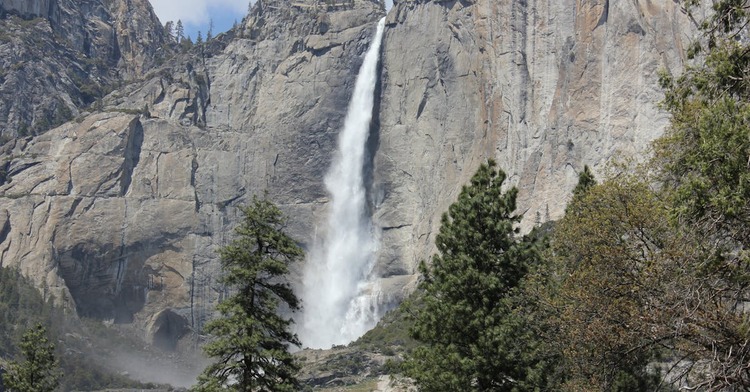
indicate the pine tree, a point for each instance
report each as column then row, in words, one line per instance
column 251, row 339
column 704, row 155
column 585, row 181
column 704, row 163
column 199, row 39
column 210, row 32
column 186, row 44
column 179, row 31
column 475, row 340
column 169, row 29
column 38, row 372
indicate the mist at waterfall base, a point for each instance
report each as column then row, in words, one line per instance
column 339, row 297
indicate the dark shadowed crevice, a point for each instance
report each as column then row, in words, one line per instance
column 132, row 155
column 373, row 139
column 90, row 273
column 73, row 207
column 194, row 168
column 605, row 14
column 4, row 176
column 159, row 99
column 169, row 327
column 422, row 105
column 5, row 230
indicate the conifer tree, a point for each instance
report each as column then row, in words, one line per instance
column 186, row 44
column 585, row 181
column 179, row 31
column 704, row 162
column 251, row 339
column 704, row 154
column 169, row 28
column 474, row 338
column 38, row 372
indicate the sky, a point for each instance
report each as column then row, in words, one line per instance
column 196, row 14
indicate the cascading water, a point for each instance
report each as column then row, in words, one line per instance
column 340, row 304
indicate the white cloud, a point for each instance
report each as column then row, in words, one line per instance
column 196, row 12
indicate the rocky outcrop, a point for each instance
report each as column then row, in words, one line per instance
column 28, row 8
column 59, row 56
column 121, row 212
column 542, row 87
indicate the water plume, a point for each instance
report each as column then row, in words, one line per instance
column 340, row 301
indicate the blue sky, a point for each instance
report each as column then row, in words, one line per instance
column 196, row 14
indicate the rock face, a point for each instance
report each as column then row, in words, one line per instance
column 543, row 87
column 120, row 212
column 29, row 8
column 59, row 56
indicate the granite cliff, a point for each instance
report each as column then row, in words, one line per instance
column 544, row 87
column 119, row 212
column 57, row 57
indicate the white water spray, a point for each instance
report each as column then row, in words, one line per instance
column 339, row 303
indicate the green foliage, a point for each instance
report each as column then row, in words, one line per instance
column 727, row 21
column 28, row 23
column 53, row 118
column 62, row 114
column 252, row 339
column 186, row 44
column 471, row 319
column 626, row 286
column 585, row 181
column 90, row 91
column 704, row 163
column 391, row 334
column 169, row 28
column 179, row 32
column 21, row 306
column 136, row 112
column 23, row 130
column 349, row 363
column 638, row 379
column 610, row 266
column 39, row 370
column 636, row 274
column 705, row 155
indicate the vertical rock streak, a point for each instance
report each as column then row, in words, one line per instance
column 339, row 301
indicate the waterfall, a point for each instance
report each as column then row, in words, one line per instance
column 340, row 302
